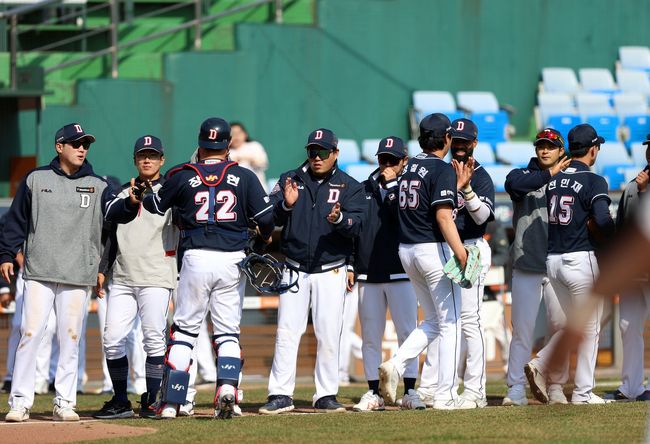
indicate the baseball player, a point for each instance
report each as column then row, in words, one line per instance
column 217, row 201
column 427, row 236
column 382, row 280
column 634, row 303
column 527, row 189
column 575, row 197
column 59, row 207
column 475, row 208
column 141, row 255
column 320, row 209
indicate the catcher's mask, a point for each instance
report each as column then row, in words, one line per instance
column 264, row 272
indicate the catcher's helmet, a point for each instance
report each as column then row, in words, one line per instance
column 265, row 273
column 214, row 134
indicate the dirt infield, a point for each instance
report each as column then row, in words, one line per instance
column 47, row 431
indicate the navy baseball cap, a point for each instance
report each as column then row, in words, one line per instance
column 323, row 138
column 214, row 134
column 464, row 129
column 437, row 123
column 148, row 142
column 72, row 132
column 550, row 135
column 583, row 136
column 647, row 140
column 392, row 145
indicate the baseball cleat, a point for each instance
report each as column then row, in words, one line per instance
column 186, row 409
column 147, row 408
column 41, row 387
column 277, row 404
column 115, row 409
column 412, row 401
column 454, row 404
column 168, row 411
column 617, row 396
column 225, row 400
column 17, row 414
column 64, row 413
column 537, row 382
column 516, row 396
column 471, row 398
column 328, row 404
column 593, row 399
column 556, row 395
column 645, row 396
column 369, row 402
column 426, row 395
column 388, row 380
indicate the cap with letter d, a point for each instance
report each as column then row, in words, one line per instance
column 324, row 138
column 72, row 132
column 214, row 134
column 392, row 145
column 464, row 129
column 148, row 142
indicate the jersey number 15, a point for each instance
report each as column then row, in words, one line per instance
column 225, row 213
column 561, row 209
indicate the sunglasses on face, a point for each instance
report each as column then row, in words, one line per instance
column 550, row 135
column 387, row 159
column 321, row 153
column 78, row 143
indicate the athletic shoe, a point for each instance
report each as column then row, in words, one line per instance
column 329, row 404
column 616, row 396
column 516, row 396
column 168, row 411
column 186, row 409
column 556, row 395
column 537, row 382
column 41, row 387
column 645, row 396
column 115, row 409
column 147, row 408
column 388, row 380
column 468, row 397
column 593, row 399
column 426, row 395
column 277, row 404
column 6, row 387
column 454, row 404
column 412, row 401
column 18, row 413
column 225, row 399
column 64, row 413
column 369, row 402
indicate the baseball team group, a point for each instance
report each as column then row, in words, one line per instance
column 185, row 234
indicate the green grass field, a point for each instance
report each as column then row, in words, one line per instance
column 622, row 422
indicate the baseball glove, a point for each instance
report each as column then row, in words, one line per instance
column 465, row 277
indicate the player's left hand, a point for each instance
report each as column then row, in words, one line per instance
column 350, row 281
column 464, row 172
column 335, row 213
column 99, row 288
column 642, row 180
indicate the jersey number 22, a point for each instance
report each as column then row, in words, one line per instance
column 225, row 213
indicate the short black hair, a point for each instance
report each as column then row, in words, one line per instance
column 430, row 141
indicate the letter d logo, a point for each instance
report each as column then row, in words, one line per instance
column 319, row 135
column 389, row 143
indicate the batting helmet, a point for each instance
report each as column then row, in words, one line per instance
column 214, row 134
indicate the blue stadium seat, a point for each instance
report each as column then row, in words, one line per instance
column 597, row 80
column 630, row 104
column 612, row 153
column 360, row 171
column 630, row 173
column 498, row 174
column 634, row 57
column 606, row 126
column 428, row 102
column 615, row 176
column 414, row 148
column 554, row 104
column 638, row 154
column 348, row 152
column 517, row 154
column 478, row 101
column 369, row 148
column 638, row 127
column 590, row 104
column 484, row 153
column 633, row 81
column 491, row 126
column 561, row 80
column 563, row 123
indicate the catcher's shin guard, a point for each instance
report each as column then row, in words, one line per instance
column 229, row 360
column 176, row 382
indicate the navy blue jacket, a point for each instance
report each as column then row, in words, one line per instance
column 376, row 256
column 573, row 195
column 239, row 203
column 310, row 242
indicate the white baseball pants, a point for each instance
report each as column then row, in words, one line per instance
column 14, row 335
column 325, row 293
column 399, row 297
column 70, row 304
column 634, row 306
column 350, row 341
column 572, row 276
column 528, row 290
column 441, row 303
